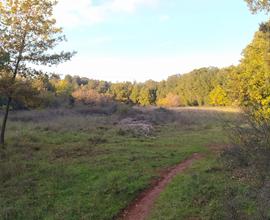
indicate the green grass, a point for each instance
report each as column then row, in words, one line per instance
column 82, row 167
column 206, row 191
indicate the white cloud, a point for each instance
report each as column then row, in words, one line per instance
column 164, row 18
column 142, row 68
column 129, row 5
column 70, row 13
column 99, row 40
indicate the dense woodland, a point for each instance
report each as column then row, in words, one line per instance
column 234, row 85
column 204, row 86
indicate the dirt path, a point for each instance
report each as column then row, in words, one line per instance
column 140, row 208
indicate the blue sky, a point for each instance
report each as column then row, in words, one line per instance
column 120, row 40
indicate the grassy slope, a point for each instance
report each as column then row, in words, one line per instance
column 78, row 166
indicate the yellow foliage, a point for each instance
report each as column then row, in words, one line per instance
column 62, row 87
column 170, row 100
column 218, row 97
column 253, row 78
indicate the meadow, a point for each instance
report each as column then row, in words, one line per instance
column 92, row 162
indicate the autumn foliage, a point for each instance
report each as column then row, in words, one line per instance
column 90, row 96
column 170, row 100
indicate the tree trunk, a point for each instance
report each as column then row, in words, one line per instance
column 4, row 123
column 3, row 130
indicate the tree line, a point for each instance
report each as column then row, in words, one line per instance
column 205, row 86
column 246, row 84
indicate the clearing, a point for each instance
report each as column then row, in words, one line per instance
column 83, row 163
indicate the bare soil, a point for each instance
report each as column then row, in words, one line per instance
column 142, row 205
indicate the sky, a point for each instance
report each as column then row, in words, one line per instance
column 137, row 40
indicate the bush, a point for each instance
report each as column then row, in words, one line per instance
column 248, row 161
column 170, row 100
column 90, row 96
column 135, row 128
column 107, row 109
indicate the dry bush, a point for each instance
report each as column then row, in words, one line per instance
column 136, row 128
column 251, row 150
column 90, row 96
column 104, row 109
column 248, row 161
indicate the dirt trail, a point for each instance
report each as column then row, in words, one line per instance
column 140, row 208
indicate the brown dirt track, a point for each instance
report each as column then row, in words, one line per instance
column 141, row 207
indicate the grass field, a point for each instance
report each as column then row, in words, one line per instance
column 82, row 164
column 206, row 191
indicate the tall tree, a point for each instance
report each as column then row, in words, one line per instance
column 252, row 80
column 258, row 5
column 28, row 33
column 135, row 93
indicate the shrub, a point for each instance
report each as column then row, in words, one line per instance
column 90, row 96
column 170, row 100
column 135, row 128
column 248, row 161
